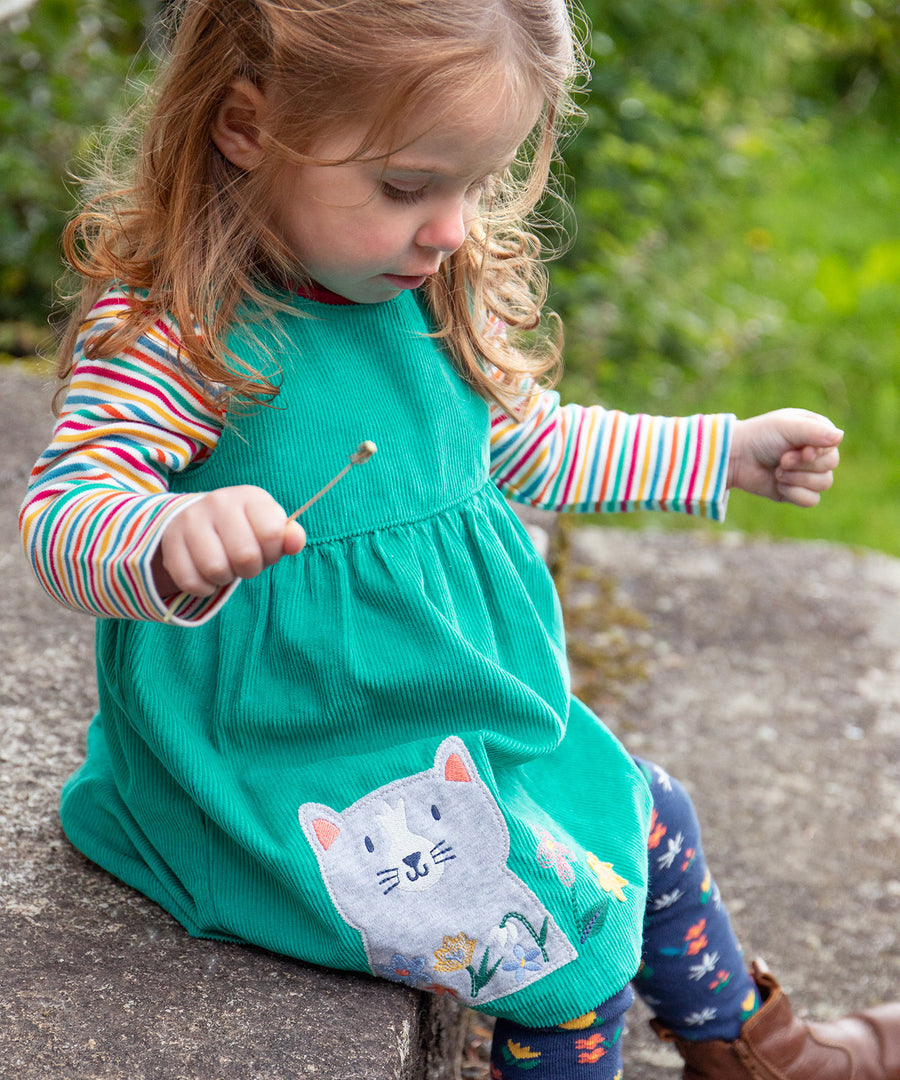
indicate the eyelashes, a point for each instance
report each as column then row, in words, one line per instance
column 402, row 195
column 409, row 197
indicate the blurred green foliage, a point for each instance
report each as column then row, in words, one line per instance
column 63, row 65
column 692, row 104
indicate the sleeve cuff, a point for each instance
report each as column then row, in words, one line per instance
column 180, row 609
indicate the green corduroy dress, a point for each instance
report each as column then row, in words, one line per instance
column 370, row 758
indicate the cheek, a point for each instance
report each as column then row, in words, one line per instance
column 372, row 238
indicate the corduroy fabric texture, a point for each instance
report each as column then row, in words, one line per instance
column 400, row 682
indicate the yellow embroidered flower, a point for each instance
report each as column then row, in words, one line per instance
column 455, row 953
column 609, row 880
column 520, row 1052
column 579, row 1023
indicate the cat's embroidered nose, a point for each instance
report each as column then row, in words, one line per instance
column 412, row 861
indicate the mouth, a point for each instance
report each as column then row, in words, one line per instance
column 406, row 281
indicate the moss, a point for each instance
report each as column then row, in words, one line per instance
column 606, row 638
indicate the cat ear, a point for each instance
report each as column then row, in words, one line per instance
column 321, row 825
column 326, row 831
column 452, row 761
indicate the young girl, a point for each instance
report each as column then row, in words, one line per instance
column 353, row 741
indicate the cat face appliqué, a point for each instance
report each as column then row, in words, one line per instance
column 418, row 867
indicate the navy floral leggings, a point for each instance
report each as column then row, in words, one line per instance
column 692, row 972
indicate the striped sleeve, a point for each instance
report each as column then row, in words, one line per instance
column 98, row 498
column 572, row 457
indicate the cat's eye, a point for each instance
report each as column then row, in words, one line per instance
column 435, row 813
column 369, row 845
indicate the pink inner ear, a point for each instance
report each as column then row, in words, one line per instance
column 326, row 832
column 454, row 769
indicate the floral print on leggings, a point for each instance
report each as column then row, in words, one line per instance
column 692, row 972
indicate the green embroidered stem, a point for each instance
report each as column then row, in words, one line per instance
column 539, row 939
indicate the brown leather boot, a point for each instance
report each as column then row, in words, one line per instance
column 775, row 1045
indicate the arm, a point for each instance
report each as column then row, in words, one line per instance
column 98, row 502
column 592, row 459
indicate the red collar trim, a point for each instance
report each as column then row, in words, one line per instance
column 322, row 296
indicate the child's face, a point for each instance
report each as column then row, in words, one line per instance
column 367, row 230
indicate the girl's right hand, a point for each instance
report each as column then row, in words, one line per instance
column 233, row 532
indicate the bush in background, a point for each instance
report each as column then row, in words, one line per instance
column 691, row 103
column 63, row 64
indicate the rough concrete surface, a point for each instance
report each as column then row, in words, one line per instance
column 766, row 676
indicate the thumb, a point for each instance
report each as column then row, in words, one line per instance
column 294, row 538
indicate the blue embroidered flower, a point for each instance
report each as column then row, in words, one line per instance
column 526, row 960
column 411, row 972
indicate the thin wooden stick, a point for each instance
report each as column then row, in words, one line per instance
column 363, row 452
column 361, row 455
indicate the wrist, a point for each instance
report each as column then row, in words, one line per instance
column 734, row 454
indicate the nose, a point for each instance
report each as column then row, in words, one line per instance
column 445, row 229
column 415, row 871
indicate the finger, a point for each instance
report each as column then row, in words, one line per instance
column 212, row 561
column 294, row 538
column 799, row 496
column 181, row 567
column 269, row 524
column 811, row 459
column 243, row 550
column 810, row 429
column 812, row 481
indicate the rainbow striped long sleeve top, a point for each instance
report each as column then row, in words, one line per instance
column 99, row 500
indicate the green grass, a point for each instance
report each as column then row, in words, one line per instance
column 799, row 284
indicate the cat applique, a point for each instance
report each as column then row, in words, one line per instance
column 418, row 867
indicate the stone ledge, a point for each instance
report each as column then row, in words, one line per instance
column 98, row 983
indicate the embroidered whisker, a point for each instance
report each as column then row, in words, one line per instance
column 392, row 875
column 442, row 852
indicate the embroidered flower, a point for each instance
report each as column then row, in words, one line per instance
column 526, row 960
column 551, row 854
column 455, row 953
column 411, row 972
column 501, row 937
column 610, row 881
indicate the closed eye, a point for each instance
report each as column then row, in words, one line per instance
column 402, row 195
column 410, row 196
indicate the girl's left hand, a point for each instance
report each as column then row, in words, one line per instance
column 788, row 455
